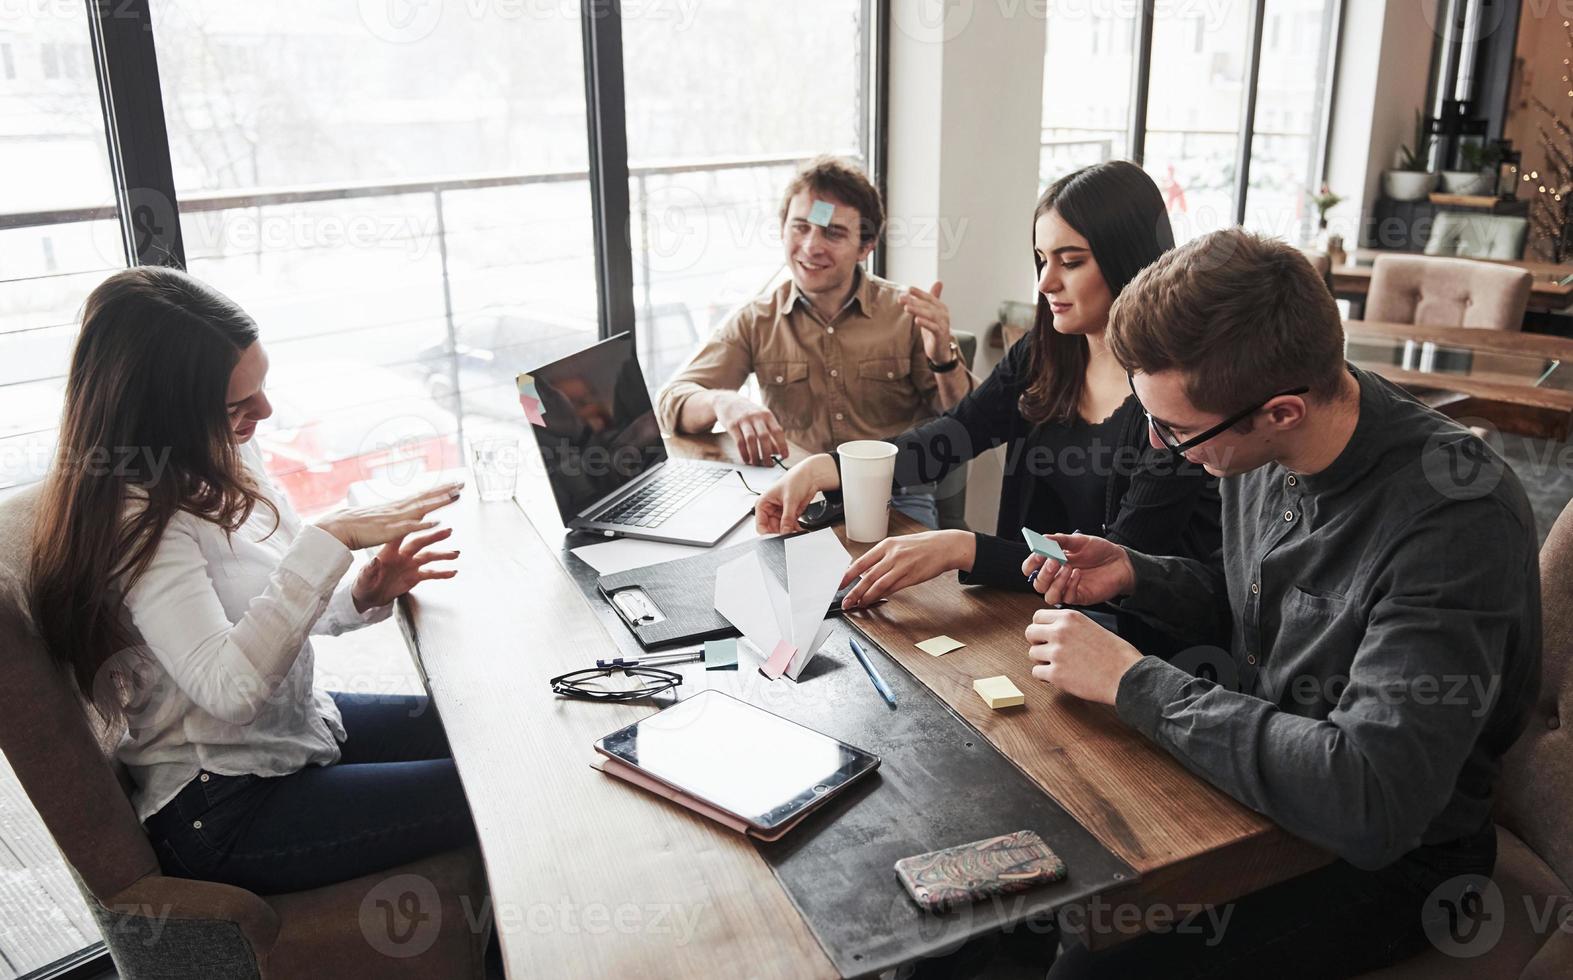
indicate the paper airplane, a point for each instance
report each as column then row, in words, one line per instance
column 786, row 624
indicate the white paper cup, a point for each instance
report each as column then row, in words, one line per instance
column 868, row 468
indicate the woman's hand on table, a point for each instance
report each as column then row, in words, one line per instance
column 906, row 560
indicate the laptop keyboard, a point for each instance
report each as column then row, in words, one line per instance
column 653, row 503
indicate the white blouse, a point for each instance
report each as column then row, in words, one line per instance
column 224, row 684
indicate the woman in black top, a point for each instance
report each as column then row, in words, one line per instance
column 1078, row 454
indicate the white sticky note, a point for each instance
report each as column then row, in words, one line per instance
column 940, row 645
column 820, row 213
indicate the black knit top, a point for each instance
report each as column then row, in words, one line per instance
column 1151, row 501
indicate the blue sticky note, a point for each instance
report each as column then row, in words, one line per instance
column 1041, row 545
column 720, row 655
column 821, row 213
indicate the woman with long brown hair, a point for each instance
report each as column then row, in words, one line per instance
column 1078, row 456
column 178, row 588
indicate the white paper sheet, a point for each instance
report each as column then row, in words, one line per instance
column 751, row 598
column 815, row 563
column 621, row 554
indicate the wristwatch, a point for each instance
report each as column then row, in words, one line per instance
column 950, row 365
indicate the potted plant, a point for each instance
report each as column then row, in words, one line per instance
column 1408, row 180
column 1476, row 173
column 1324, row 201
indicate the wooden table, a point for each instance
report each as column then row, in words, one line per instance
column 1503, row 384
column 592, row 879
column 1353, row 279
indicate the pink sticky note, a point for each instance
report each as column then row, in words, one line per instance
column 779, row 658
column 532, row 410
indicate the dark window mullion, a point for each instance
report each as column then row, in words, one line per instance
column 876, row 148
column 602, row 26
column 128, row 88
column 1253, row 67
column 1141, row 75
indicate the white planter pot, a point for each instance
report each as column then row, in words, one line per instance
column 1408, row 185
column 1466, row 181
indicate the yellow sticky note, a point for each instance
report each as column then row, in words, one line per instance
column 998, row 692
column 940, row 645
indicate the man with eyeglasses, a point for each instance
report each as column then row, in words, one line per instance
column 1374, row 622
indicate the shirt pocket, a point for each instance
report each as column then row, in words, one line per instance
column 785, row 388
column 885, row 393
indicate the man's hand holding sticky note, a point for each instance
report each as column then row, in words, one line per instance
column 1041, row 545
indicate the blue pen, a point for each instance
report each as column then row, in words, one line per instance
column 873, row 675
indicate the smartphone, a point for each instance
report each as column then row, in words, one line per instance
column 953, row 876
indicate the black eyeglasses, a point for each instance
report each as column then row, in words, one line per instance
column 775, row 459
column 581, row 684
column 1173, row 443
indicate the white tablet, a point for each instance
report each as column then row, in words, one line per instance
column 754, row 765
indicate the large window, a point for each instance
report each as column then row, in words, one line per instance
column 1291, row 104
column 409, row 238
column 58, row 236
column 1087, row 74
column 1195, row 93
column 722, row 104
column 1199, row 81
column 403, row 196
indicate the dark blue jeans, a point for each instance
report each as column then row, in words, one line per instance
column 393, row 797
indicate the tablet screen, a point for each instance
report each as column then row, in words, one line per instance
column 742, row 759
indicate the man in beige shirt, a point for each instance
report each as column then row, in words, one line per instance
column 840, row 354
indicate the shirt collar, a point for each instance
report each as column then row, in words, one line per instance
column 1365, row 443
column 861, row 299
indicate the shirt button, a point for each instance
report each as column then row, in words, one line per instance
column 1251, row 659
column 1255, row 589
column 1288, row 515
column 830, row 330
column 1292, row 481
column 1553, row 723
column 780, row 378
column 196, row 825
column 890, row 374
column 204, row 777
column 839, row 416
column 834, row 373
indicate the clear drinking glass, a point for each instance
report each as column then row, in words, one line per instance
column 495, row 463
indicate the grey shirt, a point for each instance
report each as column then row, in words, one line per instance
column 1381, row 621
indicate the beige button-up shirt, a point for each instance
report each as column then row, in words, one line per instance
column 862, row 375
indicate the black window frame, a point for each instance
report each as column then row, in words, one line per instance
column 1141, row 77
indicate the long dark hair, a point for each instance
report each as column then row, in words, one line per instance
column 1118, row 209
column 145, row 416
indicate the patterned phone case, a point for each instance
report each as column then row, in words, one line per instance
column 957, row 875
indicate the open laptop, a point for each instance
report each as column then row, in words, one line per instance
column 602, row 451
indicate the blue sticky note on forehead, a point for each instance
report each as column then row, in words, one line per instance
column 821, row 213
column 1041, row 545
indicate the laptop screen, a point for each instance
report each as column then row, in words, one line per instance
column 600, row 431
